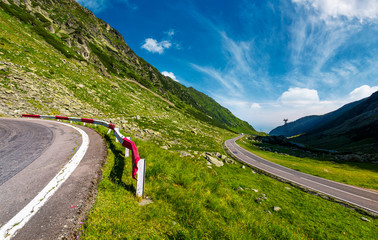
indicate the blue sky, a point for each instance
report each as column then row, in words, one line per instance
column 263, row 60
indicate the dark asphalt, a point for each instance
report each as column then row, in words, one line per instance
column 20, row 139
column 64, row 212
column 358, row 197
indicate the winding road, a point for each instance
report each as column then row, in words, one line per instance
column 48, row 177
column 351, row 195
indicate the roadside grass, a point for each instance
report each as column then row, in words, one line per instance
column 358, row 174
column 191, row 201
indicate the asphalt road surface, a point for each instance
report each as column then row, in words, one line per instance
column 32, row 153
column 360, row 198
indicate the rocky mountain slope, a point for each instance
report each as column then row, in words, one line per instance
column 76, row 34
column 353, row 127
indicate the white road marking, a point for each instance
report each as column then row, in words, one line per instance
column 9, row 230
column 263, row 164
column 317, row 190
column 338, row 189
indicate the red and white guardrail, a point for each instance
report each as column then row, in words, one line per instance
column 139, row 165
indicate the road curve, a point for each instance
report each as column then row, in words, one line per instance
column 32, row 153
column 351, row 195
column 20, row 140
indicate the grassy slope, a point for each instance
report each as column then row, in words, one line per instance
column 109, row 51
column 190, row 200
column 44, row 81
column 358, row 174
column 216, row 111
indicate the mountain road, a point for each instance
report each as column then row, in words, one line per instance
column 354, row 196
column 33, row 153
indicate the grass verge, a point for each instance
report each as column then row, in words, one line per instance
column 358, row 174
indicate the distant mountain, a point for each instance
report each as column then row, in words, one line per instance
column 76, row 33
column 353, row 127
column 309, row 123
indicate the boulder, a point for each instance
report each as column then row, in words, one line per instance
column 214, row 161
column 365, row 219
column 185, row 154
column 229, row 161
column 276, row 209
column 145, row 202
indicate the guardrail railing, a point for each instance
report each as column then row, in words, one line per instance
column 138, row 164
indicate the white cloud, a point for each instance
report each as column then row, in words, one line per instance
column 293, row 104
column 230, row 82
column 239, row 69
column 362, row 92
column 324, row 36
column 351, row 9
column 154, row 46
column 170, row 74
column 314, row 41
column 255, row 106
column 299, row 96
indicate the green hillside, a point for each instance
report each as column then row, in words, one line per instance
column 79, row 35
column 57, row 58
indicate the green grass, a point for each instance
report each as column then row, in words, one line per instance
column 353, row 173
column 191, row 201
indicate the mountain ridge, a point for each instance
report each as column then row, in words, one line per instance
column 350, row 128
column 80, row 35
column 305, row 124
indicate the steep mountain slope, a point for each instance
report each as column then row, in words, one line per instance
column 213, row 109
column 79, row 35
column 351, row 128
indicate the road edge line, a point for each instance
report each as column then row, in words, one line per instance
column 9, row 230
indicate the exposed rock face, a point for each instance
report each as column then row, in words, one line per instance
column 31, row 86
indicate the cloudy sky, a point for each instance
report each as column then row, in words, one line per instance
column 263, row 60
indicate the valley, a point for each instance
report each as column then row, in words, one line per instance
column 57, row 58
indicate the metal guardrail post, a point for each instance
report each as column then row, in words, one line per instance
column 127, row 151
column 141, row 174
